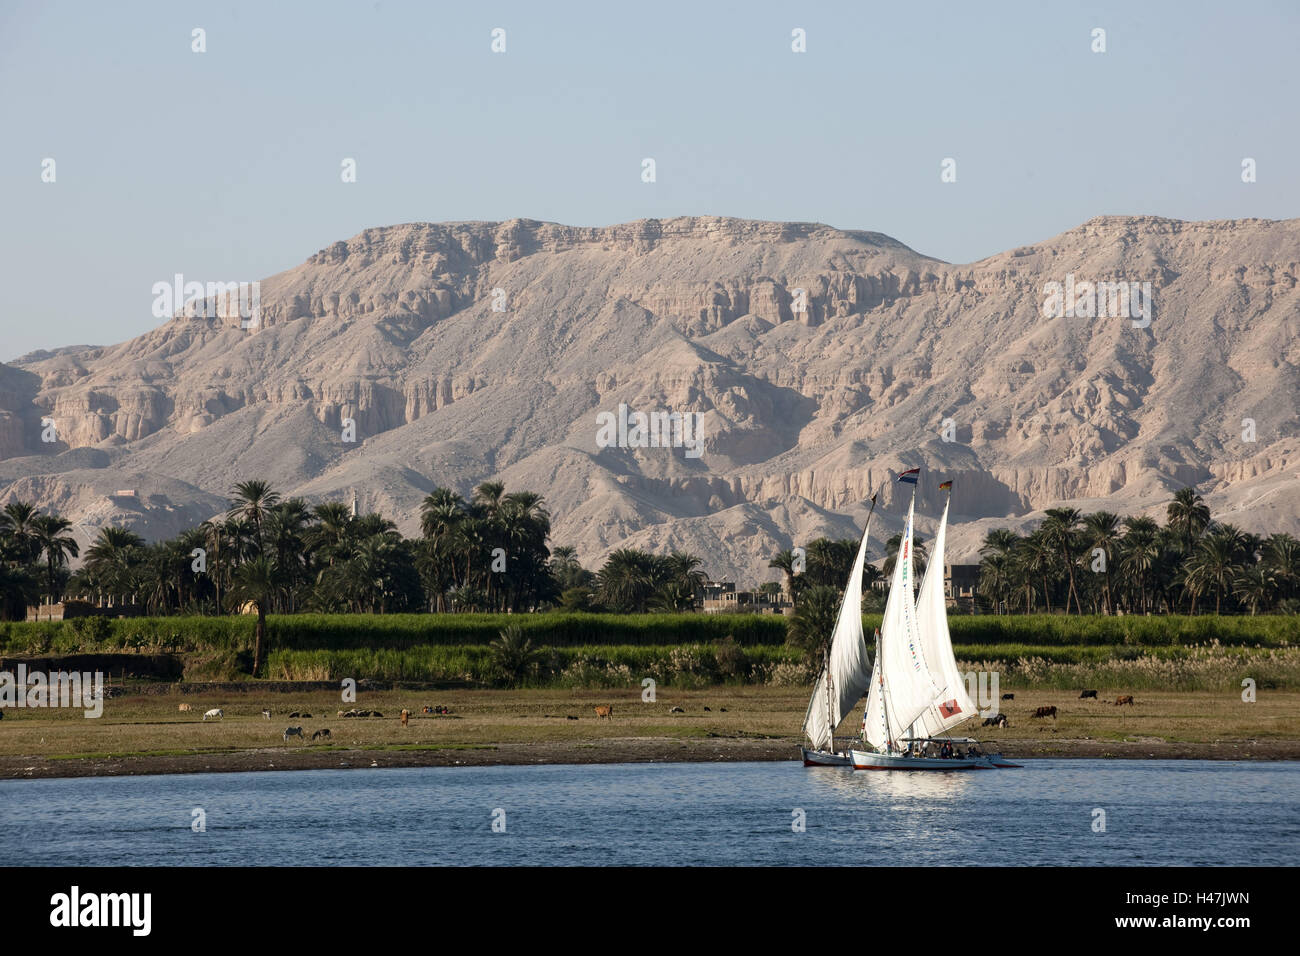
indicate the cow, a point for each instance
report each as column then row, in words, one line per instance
column 406, row 717
column 292, row 732
column 266, row 714
column 999, row 720
column 215, row 713
column 182, row 707
column 320, row 733
column 605, row 710
column 295, row 714
column 1046, row 712
column 1120, row 701
column 1088, row 694
column 676, row 710
column 1008, row 696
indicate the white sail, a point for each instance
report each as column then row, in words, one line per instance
column 908, row 686
column 953, row 705
column 849, row 664
column 874, row 729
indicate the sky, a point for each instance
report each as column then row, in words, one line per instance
column 227, row 164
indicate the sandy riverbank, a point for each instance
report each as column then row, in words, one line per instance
column 145, row 734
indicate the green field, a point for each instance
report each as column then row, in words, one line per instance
column 683, row 650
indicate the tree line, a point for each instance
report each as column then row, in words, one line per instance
column 1103, row 563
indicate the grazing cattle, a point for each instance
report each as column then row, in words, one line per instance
column 295, row 714
column 215, row 713
column 569, row 717
column 707, row 711
column 320, row 733
column 1046, row 712
column 1120, row 701
column 1088, row 694
column 998, row 721
column 292, row 732
column 266, row 714
column 676, row 710
column 182, row 707
column 1008, row 696
column 406, row 717
column 605, row 710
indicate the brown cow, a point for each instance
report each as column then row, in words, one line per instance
column 406, row 717
column 182, row 707
column 605, row 710
column 1046, row 712
column 1120, row 701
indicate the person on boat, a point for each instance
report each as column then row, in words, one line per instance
column 946, row 750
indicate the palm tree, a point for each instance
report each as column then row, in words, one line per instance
column 252, row 500
column 1188, row 515
column 685, row 580
column 112, row 560
column 1038, row 557
column 1255, row 587
column 1217, row 562
column 1139, row 552
column 1101, row 532
column 629, row 579
column 813, row 621
column 255, row 582
column 514, row 654
column 784, row 562
column 996, row 579
column 18, row 525
column 56, row 546
column 1282, row 555
column 1059, row 527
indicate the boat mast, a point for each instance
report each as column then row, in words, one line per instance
column 830, row 705
column 884, row 701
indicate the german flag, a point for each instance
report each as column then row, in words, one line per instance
column 945, row 486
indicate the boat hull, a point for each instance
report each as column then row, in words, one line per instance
column 865, row 760
column 821, row 758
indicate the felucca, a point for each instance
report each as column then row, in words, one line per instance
column 917, row 694
column 845, row 673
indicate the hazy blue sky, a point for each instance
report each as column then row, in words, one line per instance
column 225, row 165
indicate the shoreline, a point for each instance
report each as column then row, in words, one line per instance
column 603, row 751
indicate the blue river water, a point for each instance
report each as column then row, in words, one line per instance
column 1156, row 812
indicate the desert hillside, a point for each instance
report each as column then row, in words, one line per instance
column 803, row 411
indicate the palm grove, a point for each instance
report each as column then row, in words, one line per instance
column 490, row 553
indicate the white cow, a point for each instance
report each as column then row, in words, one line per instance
column 215, row 713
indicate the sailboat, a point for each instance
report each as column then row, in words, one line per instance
column 845, row 673
column 917, row 692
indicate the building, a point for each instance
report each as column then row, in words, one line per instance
column 959, row 584
column 721, row 596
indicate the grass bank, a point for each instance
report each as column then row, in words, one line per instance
column 573, row 630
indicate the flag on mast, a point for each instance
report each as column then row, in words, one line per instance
column 945, row 486
column 910, row 476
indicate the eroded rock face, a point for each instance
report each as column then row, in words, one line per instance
column 819, row 361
